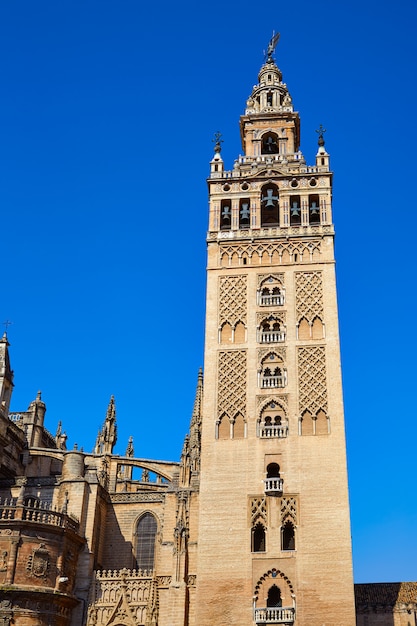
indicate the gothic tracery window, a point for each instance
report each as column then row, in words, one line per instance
column 145, row 536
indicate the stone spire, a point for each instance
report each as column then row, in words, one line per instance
column 129, row 450
column 107, row 437
column 6, row 376
column 190, row 457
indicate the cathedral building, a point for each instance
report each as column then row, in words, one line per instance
column 251, row 526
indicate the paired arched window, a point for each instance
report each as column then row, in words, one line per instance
column 272, row 374
column 145, row 542
column 271, row 330
column 270, row 292
column 272, row 422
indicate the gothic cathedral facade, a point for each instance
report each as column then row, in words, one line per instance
column 251, row 527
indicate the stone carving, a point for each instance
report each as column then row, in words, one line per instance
column 270, row 278
column 258, row 510
column 38, row 562
column 232, row 300
column 280, row 401
column 269, row 253
column 289, row 509
column 312, row 379
column 137, row 497
column 232, row 384
column 3, row 560
column 280, row 351
column 122, row 597
column 309, row 295
column 271, row 316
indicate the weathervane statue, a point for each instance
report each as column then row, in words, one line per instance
column 271, row 46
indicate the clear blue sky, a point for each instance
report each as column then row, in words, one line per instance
column 107, row 110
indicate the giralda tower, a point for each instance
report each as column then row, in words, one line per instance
column 274, row 532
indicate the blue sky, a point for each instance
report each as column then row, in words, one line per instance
column 107, row 109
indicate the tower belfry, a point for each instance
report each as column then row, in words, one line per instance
column 274, row 532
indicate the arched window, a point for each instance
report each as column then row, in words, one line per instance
column 288, row 536
column 270, row 140
column 226, row 215
column 272, row 374
column 295, row 211
column 270, row 330
column 270, row 292
column 269, row 205
column 314, row 209
column 272, row 471
column 274, row 597
column 244, row 213
column 273, row 481
column 258, row 538
column 273, row 422
column 145, row 542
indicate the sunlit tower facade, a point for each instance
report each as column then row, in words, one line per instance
column 274, row 530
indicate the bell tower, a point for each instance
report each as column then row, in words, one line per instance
column 274, row 530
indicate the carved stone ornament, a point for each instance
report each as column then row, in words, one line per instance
column 38, row 562
column 3, row 560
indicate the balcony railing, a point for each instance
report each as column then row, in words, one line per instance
column 272, row 336
column 276, row 615
column 273, row 485
column 41, row 514
column 277, row 300
column 274, row 432
column 272, row 381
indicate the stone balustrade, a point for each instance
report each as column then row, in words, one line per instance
column 275, row 615
column 275, row 300
column 273, row 382
column 272, row 336
column 274, row 431
column 273, row 485
column 40, row 513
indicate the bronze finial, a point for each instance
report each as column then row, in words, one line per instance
column 271, row 47
column 321, row 132
column 217, row 142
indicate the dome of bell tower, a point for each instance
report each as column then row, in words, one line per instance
column 270, row 95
